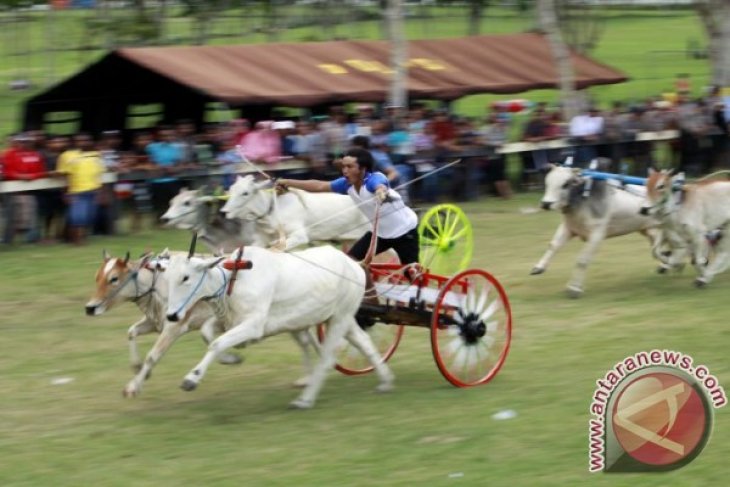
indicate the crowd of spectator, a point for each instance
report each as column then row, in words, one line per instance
column 407, row 145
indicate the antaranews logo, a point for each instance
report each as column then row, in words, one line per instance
column 652, row 412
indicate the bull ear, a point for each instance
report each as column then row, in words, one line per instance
column 105, row 255
column 215, row 262
column 650, row 171
column 182, row 190
column 165, row 254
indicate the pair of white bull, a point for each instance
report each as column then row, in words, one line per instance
column 604, row 211
column 288, row 221
column 281, row 292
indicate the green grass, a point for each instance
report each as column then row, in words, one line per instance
column 630, row 43
column 235, row 428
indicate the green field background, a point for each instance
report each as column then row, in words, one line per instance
column 235, row 429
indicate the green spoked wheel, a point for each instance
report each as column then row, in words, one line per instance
column 446, row 240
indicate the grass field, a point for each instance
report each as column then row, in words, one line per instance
column 235, row 429
column 630, row 43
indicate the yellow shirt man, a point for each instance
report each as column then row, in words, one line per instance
column 83, row 168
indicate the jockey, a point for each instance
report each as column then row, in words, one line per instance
column 397, row 227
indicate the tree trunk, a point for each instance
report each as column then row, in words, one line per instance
column 715, row 17
column 476, row 11
column 561, row 57
column 399, row 55
column 161, row 17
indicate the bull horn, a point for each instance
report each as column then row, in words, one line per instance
column 192, row 245
column 126, row 258
column 105, row 255
column 263, row 184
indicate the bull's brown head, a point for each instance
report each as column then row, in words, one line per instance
column 659, row 186
column 112, row 278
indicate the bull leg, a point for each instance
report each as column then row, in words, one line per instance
column 169, row 335
column 575, row 286
column 337, row 329
column 249, row 330
column 361, row 340
column 720, row 263
column 295, row 239
column 561, row 237
column 141, row 327
column 208, row 332
column 307, row 343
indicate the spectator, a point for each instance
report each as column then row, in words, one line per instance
column 537, row 129
column 586, row 130
column 84, row 168
column 310, row 146
column 107, row 205
column 263, row 144
column 21, row 162
column 52, row 206
column 167, row 155
column 136, row 163
column 493, row 136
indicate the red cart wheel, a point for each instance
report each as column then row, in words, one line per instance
column 350, row 361
column 385, row 337
column 471, row 328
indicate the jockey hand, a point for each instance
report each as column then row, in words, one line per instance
column 382, row 194
column 280, row 187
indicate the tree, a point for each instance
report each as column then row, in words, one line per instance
column 715, row 17
column 398, row 88
column 561, row 55
column 580, row 23
column 476, row 14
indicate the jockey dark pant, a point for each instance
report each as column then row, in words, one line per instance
column 406, row 246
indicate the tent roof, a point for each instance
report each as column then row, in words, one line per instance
column 309, row 74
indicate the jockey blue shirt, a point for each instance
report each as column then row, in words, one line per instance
column 396, row 219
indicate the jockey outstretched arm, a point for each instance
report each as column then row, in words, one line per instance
column 397, row 228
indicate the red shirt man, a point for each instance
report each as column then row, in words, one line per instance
column 21, row 162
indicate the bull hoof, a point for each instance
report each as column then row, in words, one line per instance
column 301, row 404
column 661, row 270
column 188, row 385
column 385, row 387
column 301, row 382
column 700, row 283
column 130, row 392
column 574, row 292
column 537, row 270
column 230, row 359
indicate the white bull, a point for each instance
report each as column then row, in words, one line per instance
column 281, row 292
column 302, row 216
column 119, row 281
column 593, row 212
column 191, row 210
column 694, row 211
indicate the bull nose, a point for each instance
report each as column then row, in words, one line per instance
column 545, row 205
column 164, row 219
column 644, row 211
column 90, row 310
column 172, row 317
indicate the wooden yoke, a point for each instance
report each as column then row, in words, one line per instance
column 234, row 266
